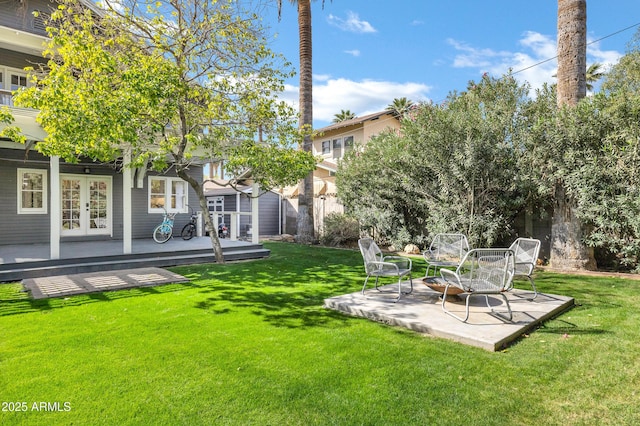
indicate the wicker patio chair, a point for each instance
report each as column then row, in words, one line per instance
column 377, row 265
column 482, row 272
column 526, row 251
column 446, row 250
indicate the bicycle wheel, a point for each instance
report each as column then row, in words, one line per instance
column 188, row 231
column 162, row 233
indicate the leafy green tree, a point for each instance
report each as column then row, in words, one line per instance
column 162, row 83
column 453, row 167
column 343, row 116
column 10, row 131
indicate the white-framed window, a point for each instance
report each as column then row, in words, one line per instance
column 32, row 191
column 337, row 148
column 348, row 143
column 326, row 147
column 11, row 79
column 167, row 193
column 18, row 81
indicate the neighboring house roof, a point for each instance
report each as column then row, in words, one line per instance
column 354, row 121
column 213, row 190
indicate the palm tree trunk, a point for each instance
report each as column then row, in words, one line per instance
column 572, row 51
column 567, row 248
column 305, row 228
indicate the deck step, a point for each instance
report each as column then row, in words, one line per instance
column 18, row 271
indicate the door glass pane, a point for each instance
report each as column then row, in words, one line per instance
column 97, row 204
column 70, row 198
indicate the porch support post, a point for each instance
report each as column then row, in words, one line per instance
column 55, row 208
column 239, row 215
column 127, row 182
column 255, row 226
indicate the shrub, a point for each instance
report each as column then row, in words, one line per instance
column 340, row 230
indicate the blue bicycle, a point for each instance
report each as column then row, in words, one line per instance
column 164, row 231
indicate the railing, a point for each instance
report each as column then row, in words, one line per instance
column 234, row 229
column 6, row 98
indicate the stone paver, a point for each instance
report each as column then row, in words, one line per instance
column 68, row 285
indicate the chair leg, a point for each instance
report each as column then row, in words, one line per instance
column 364, row 287
column 466, row 317
column 535, row 291
column 448, row 312
column 410, row 284
column 502, row 314
column 533, row 286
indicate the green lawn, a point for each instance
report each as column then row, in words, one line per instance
column 249, row 343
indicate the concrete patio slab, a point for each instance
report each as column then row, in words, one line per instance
column 421, row 311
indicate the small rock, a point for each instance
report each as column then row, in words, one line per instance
column 412, row 249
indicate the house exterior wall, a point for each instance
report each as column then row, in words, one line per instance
column 356, row 131
column 34, row 228
column 14, row 228
column 374, row 127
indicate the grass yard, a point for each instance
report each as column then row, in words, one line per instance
column 249, row 343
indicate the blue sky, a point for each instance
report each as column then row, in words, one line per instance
column 368, row 52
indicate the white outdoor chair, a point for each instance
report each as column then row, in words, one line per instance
column 377, row 265
column 482, row 272
column 526, row 252
column 446, row 250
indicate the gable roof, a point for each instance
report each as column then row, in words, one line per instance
column 354, row 121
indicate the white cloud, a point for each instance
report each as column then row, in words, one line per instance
column 321, row 77
column 536, row 63
column 354, row 52
column 353, row 23
column 362, row 97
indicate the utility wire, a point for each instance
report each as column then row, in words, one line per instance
column 590, row 43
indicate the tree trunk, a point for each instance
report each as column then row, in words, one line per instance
column 209, row 226
column 568, row 250
column 305, row 228
column 572, row 51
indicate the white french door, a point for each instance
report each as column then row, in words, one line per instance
column 86, row 205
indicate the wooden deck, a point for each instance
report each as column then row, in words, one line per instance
column 32, row 260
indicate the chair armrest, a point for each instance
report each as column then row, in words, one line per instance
column 388, row 266
column 401, row 261
column 451, row 277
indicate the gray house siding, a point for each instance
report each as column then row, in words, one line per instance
column 19, row 15
column 35, row 228
column 18, row 60
column 144, row 222
column 14, row 228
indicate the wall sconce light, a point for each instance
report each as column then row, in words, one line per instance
column 87, row 171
